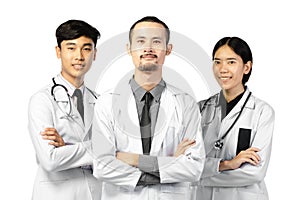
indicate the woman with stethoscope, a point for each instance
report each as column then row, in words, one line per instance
column 237, row 129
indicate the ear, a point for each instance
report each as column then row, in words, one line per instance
column 95, row 53
column 58, row 53
column 247, row 67
column 169, row 49
column 128, row 49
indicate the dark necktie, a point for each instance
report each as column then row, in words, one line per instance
column 80, row 107
column 145, row 124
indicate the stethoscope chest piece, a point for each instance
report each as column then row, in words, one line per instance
column 218, row 145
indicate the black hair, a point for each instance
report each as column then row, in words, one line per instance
column 73, row 29
column 240, row 47
column 150, row 19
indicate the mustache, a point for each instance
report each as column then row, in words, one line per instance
column 148, row 54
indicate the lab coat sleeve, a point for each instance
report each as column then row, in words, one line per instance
column 40, row 116
column 211, row 167
column 248, row 174
column 106, row 166
column 187, row 167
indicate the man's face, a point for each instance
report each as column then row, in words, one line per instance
column 76, row 57
column 148, row 46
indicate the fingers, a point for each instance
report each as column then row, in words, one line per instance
column 49, row 132
column 250, row 155
column 253, row 149
column 52, row 135
column 186, row 142
column 183, row 146
column 49, row 135
column 56, row 144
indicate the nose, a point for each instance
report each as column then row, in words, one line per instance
column 223, row 67
column 79, row 55
column 148, row 47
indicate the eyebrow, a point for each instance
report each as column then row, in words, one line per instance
column 153, row 38
column 226, row 59
column 141, row 37
column 72, row 43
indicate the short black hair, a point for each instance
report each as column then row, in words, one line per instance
column 150, row 19
column 240, row 47
column 73, row 29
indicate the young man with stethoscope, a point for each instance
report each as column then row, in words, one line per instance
column 60, row 117
column 237, row 129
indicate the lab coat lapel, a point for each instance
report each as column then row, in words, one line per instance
column 229, row 119
column 89, row 103
column 134, row 129
column 65, row 110
column 126, row 118
column 166, row 110
column 212, row 133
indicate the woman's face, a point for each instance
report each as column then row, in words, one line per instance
column 229, row 69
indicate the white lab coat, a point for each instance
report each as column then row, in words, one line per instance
column 246, row 182
column 116, row 128
column 59, row 174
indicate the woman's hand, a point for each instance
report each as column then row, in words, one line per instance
column 248, row 156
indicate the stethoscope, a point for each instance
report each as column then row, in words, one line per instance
column 55, row 85
column 220, row 142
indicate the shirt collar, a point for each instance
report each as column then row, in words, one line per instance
column 68, row 85
column 223, row 102
column 139, row 92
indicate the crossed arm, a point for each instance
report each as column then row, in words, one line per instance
column 147, row 163
column 248, row 156
column 132, row 159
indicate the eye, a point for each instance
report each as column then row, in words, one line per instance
column 156, row 41
column 216, row 62
column 87, row 49
column 71, row 48
column 140, row 41
column 231, row 62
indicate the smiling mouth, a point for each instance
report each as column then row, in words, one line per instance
column 78, row 66
column 225, row 78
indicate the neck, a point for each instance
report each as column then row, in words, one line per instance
column 75, row 81
column 147, row 80
column 233, row 93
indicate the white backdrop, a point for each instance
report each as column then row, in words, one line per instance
column 28, row 61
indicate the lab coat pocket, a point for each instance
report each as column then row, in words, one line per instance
column 243, row 140
column 174, row 191
column 168, row 146
column 47, row 189
column 246, row 195
column 208, row 115
column 250, row 193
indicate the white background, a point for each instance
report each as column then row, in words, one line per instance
column 28, row 61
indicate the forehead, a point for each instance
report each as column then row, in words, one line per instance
column 149, row 29
column 81, row 41
column 225, row 52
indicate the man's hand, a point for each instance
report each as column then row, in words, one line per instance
column 52, row 134
column 183, row 146
column 129, row 158
column 248, row 156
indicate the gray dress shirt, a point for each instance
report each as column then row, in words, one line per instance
column 148, row 164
